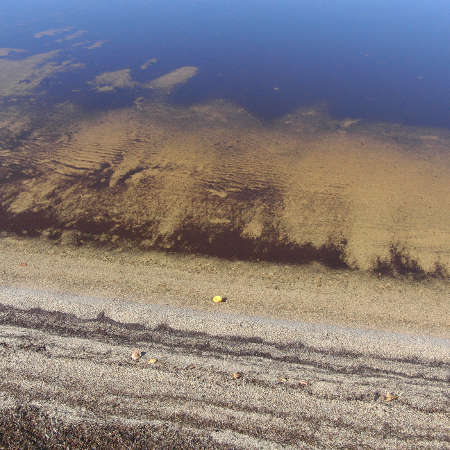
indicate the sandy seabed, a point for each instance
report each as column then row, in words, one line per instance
column 214, row 179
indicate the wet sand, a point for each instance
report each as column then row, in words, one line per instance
column 309, row 293
column 315, row 368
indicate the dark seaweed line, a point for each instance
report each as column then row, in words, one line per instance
column 63, row 324
column 143, row 334
column 69, row 325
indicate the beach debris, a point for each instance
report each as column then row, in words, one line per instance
column 136, row 355
column 152, row 361
column 237, row 375
column 303, row 383
column 283, row 379
column 23, row 264
column 218, row 299
column 389, row 397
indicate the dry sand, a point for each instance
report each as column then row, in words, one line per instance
column 71, row 317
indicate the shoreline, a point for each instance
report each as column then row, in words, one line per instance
column 309, row 293
column 226, row 325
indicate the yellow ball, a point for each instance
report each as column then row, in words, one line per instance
column 217, row 299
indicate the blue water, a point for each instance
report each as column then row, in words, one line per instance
column 382, row 60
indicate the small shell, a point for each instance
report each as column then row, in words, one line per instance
column 136, row 355
column 389, row 397
column 237, row 375
column 152, row 361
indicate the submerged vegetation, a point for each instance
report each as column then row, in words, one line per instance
column 400, row 263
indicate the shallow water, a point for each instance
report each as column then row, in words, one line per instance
column 293, row 131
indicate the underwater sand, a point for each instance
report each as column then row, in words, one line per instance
column 213, row 179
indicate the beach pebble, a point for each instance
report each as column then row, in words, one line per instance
column 136, row 355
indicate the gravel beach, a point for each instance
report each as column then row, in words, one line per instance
column 239, row 374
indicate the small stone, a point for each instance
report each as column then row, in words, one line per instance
column 136, row 355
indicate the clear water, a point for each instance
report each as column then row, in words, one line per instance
column 383, row 60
